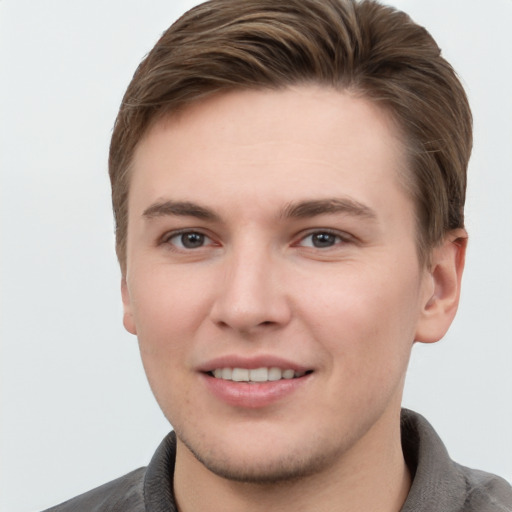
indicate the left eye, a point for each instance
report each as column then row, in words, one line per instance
column 189, row 240
column 320, row 240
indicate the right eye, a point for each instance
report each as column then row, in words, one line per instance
column 321, row 240
column 187, row 240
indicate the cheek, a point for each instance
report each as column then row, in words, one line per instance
column 166, row 306
column 366, row 340
column 166, row 312
column 365, row 320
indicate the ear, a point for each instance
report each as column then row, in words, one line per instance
column 128, row 320
column 443, row 284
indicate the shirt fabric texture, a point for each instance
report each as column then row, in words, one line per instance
column 438, row 483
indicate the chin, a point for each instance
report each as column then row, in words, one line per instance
column 262, row 465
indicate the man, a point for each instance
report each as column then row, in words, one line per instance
column 288, row 183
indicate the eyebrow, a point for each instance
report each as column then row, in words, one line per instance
column 298, row 210
column 304, row 209
column 180, row 208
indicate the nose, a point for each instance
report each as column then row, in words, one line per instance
column 251, row 296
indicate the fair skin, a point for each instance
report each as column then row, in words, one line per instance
column 270, row 230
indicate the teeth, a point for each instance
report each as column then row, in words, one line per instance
column 227, row 373
column 240, row 375
column 255, row 375
column 258, row 375
column 274, row 374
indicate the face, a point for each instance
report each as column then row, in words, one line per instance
column 273, row 279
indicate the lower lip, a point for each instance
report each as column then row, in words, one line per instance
column 253, row 395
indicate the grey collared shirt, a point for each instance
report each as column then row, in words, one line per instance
column 439, row 484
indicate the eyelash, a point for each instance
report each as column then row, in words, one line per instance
column 168, row 237
column 340, row 238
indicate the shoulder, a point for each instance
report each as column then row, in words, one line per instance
column 441, row 484
column 125, row 494
column 486, row 491
column 149, row 487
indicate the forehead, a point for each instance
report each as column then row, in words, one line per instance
column 284, row 144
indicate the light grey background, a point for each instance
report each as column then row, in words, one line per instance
column 76, row 408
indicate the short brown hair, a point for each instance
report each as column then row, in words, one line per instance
column 371, row 49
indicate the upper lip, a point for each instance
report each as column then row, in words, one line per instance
column 261, row 361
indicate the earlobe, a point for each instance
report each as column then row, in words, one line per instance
column 128, row 320
column 442, row 299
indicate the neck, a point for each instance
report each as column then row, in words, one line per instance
column 372, row 475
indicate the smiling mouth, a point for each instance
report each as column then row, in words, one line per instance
column 257, row 375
